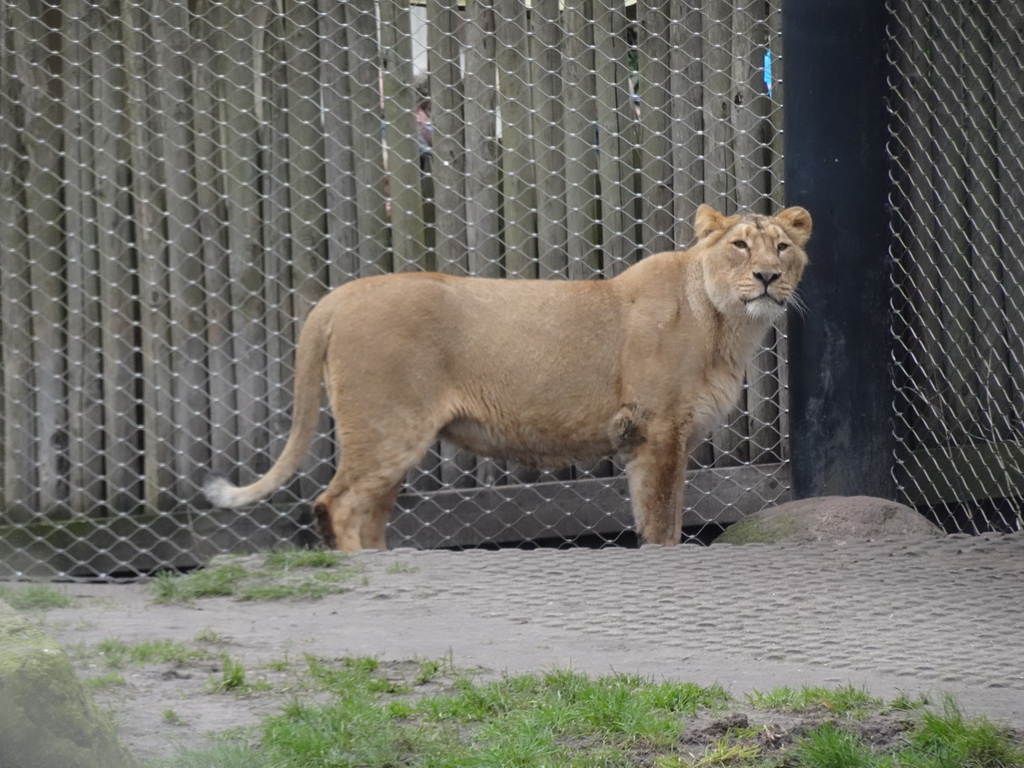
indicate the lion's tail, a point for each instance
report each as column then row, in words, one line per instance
column 309, row 364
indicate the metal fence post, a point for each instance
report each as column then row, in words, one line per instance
column 835, row 129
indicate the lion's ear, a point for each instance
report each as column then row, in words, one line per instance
column 797, row 222
column 708, row 221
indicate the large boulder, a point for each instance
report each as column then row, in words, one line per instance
column 47, row 720
column 836, row 519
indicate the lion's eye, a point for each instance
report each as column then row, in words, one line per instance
column 783, row 247
column 741, row 244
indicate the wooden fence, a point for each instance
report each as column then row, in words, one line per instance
column 182, row 180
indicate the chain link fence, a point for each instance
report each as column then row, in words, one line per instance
column 183, row 179
column 957, row 146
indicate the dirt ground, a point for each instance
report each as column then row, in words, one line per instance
column 915, row 618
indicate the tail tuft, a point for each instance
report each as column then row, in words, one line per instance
column 220, row 491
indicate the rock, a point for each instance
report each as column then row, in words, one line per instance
column 836, row 519
column 47, row 720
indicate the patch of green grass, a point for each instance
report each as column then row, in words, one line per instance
column 234, row 679
column 288, row 558
column 35, row 597
column 563, row 719
column 842, row 701
column 401, row 568
column 286, row 574
column 209, row 637
column 220, row 580
column 947, row 738
column 117, row 654
column 224, row 755
column 109, row 680
column 172, row 717
column 830, row 747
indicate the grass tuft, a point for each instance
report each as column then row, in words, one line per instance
column 285, row 574
column 35, row 597
column 842, row 701
column 830, row 747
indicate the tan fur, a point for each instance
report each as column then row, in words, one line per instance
column 539, row 371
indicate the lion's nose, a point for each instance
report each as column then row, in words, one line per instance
column 767, row 278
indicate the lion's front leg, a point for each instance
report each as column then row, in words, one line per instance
column 656, row 476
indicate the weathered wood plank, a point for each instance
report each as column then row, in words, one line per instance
column 616, row 135
column 85, row 371
column 367, row 144
column 549, row 150
column 35, row 68
column 185, row 429
column 719, row 178
column 20, row 498
column 579, row 91
column 403, row 151
column 118, row 264
column 483, row 225
column 687, row 126
column 448, row 135
column 655, row 100
column 149, row 217
column 336, row 66
column 519, row 172
column 219, row 393
column 238, row 134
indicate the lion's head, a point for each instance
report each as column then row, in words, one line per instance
column 752, row 263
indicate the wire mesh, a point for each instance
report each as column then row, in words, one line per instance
column 957, row 148
column 183, row 179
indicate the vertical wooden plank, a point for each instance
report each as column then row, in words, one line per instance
column 403, row 153
column 85, row 370
column 719, row 169
column 655, row 98
column 448, row 145
column 220, row 396
column 448, row 170
column 549, row 150
column 581, row 179
column 687, row 126
column 282, row 319
column 118, row 269
column 367, row 117
column 757, row 421
column 20, row 497
column 616, row 123
column 719, row 180
column 519, row 172
column 144, row 125
column 184, row 429
column 482, row 150
column 34, row 65
column 238, row 132
column 336, row 64
column 305, row 153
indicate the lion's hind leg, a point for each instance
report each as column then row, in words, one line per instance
column 357, row 517
column 353, row 511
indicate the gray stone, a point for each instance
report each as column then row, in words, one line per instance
column 835, row 519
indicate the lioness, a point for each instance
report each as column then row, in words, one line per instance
column 545, row 372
